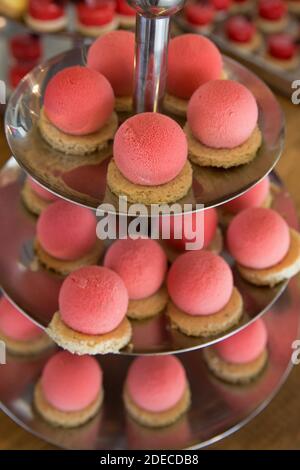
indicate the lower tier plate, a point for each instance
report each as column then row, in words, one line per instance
column 34, row 290
column 217, row 409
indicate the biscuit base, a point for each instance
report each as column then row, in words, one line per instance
column 288, row 267
column 289, row 64
column 294, row 7
column 124, row 104
column 207, row 325
column 226, row 216
column 28, row 347
column 148, row 307
column 48, row 26
column 157, row 419
column 126, row 21
column 32, row 201
column 163, row 193
column 215, row 246
column 65, row 419
column 65, row 267
column 223, row 158
column 81, row 343
column 95, row 31
column 77, row 144
column 234, row 373
column 270, row 27
column 250, row 46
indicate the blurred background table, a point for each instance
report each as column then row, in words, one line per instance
column 277, row 427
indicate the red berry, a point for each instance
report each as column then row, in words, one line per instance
column 240, row 29
column 45, row 10
column 221, row 4
column 272, row 9
column 281, row 46
column 25, row 47
column 96, row 14
column 123, row 8
column 198, row 14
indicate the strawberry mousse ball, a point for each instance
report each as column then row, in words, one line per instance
column 93, row 302
column 156, row 390
column 25, row 47
column 241, row 32
column 142, row 264
column 242, row 356
column 35, row 197
column 70, row 390
column 42, row 192
column 200, row 16
column 258, row 196
column 20, row 334
column 282, row 51
column 96, row 17
column 18, row 71
column 126, row 14
column 272, row 15
column 78, row 100
column 46, row 16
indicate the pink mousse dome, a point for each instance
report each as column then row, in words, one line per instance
column 150, row 149
column 15, row 325
column 78, row 100
column 41, row 192
column 142, row 264
column 254, row 197
column 206, row 222
column 156, row 383
column 244, row 346
column 113, row 55
column 66, row 231
column 93, row 300
column 192, row 60
column 222, row 114
column 258, row 238
column 200, row 283
column 70, row 382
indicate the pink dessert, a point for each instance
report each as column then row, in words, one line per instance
column 199, row 14
column 272, row 10
column 71, row 383
column 193, row 222
column 124, row 9
column 156, row 383
column 200, row 283
column 222, row 114
column 258, row 238
column 254, row 197
column 18, row 71
column 66, row 231
column 96, row 13
column 93, row 300
column 46, row 10
column 78, row 100
column 221, row 5
column 240, row 29
column 282, row 46
column 150, row 149
column 245, row 346
column 113, row 55
column 141, row 263
column 26, row 47
column 41, row 192
column 15, row 325
column 192, row 61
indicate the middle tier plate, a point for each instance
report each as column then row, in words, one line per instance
column 34, row 290
column 83, row 179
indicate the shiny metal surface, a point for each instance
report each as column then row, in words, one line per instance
column 217, row 409
column 83, row 180
column 34, row 290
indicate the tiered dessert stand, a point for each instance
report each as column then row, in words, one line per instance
column 217, row 409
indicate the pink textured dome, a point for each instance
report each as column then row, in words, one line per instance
column 70, row 382
column 41, row 192
column 254, row 197
column 66, row 231
column 245, row 346
column 150, row 149
column 192, row 60
column 200, row 283
column 15, row 325
column 222, row 114
column 258, row 238
column 93, row 300
column 113, row 55
column 156, row 383
column 142, row 264
column 206, row 223
column 78, row 100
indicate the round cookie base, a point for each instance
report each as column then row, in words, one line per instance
column 48, row 26
column 149, row 306
column 77, row 144
column 126, row 21
column 95, row 31
column 289, row 64
column 66, row 419
column 269, row 27
column 65, row 267
column 163, row 193
column 157, row 419
column 207, row 325
column 235, row 373
column 202, row 155
column 124, row 104
column 81, row 343
column 27, row 348
column 288, row 267
column 32, row 201
column 250, row 46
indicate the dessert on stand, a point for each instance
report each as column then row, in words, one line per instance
column 196, row 323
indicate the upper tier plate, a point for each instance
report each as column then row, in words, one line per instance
column 83, row 180
column 34, row 290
